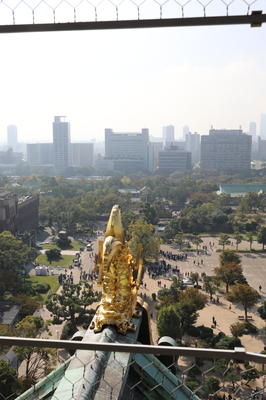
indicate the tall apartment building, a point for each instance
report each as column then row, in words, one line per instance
column 174, row 159
column 61, row 142
column 168, row 135
column 12, row 136
column 226, row 150
column 130, row 149
column 40, row 153
column 263, row 126
column 81, row 154
column 193, row 146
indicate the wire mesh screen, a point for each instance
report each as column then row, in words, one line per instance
column 97, row 374
column 15, row 12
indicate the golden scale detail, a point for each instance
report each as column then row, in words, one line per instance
column 116, row 266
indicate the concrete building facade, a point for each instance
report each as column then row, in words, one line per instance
column 18, row 214
column 263, row 126
column 128, row 148
column 261, row 149
column 174, row 159
column 226, row 150
column 168, row 135
column 154, row 149
column 81, row 155
column 12, row 136
column 61, row 142
column 40, row 153
column 193, row 146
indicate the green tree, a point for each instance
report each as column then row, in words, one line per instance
column 169, row 296
column 209, row 286
column 238, row 238
column 38, row 360
column 194, row 276
column 13, row 256
column 261, row 237
column 195, row 297
column 171, row 229
column 232, row 376
column 211, row 385
column 141, row 232
column 229, row 274
column 229, row 256
column 9, row 384
column 245, row 295
column 149, row 213
column 250, row 240
column 169, row 322
column 179, row 239
column 186, row 311
column 53, row 255
column 250, row 374
column 72, row 303
column 197, row 241
column 224, row 240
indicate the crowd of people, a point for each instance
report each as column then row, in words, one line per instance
column 174, row 257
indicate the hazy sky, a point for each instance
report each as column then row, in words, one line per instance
column 131, row 79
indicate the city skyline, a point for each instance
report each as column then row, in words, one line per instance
column 201, row 77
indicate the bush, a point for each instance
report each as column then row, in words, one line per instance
column 228, row 343
column 192, row 385
column 42, row 287
column 237, row 329
column 201, row 332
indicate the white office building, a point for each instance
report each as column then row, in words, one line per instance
column 61, row 141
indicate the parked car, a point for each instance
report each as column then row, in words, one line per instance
column 89, row 247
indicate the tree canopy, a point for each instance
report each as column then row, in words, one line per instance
column 245, row 295
column 13, row 256
column 141, row 232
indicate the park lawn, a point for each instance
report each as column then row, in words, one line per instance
column 53, row 282
column 65, row 261
column 73, row 246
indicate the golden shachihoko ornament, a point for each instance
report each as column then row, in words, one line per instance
column 116, row 267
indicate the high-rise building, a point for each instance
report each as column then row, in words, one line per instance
column 61, row 141
column 81, row 154
column 252, row 128
column 154, row 149
column 262, row 149
column 263, row 126
column 173, row 159
column 131, row 149
column 193, row 146
column 185, row 131
column 225, row 149
column 168, row 135
column 12, row 136
column 40, row 153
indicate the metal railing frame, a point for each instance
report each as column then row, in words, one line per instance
column 238, row 353
column 255, row 19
